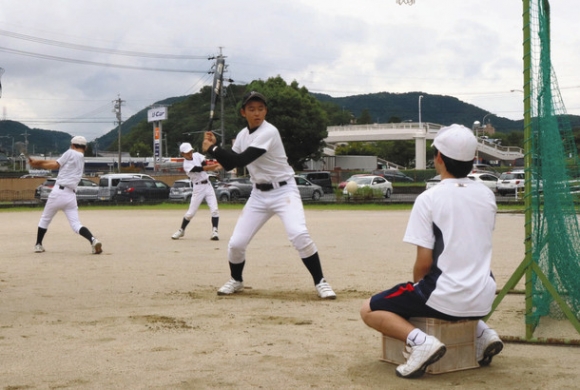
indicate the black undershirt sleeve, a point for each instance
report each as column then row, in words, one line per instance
column 230, row 159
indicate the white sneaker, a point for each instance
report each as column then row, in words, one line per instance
column 324, row 290
column 38, row 248
column 214, row 235
column 487, row 346
column 420, row 357
column 97, row 246
column 231, row 287
column 177, row 235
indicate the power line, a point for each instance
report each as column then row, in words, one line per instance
column 83, row 62
column 101, row 50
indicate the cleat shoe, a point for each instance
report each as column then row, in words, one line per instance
column 178, row 234
column 214, row 235
column 38, row 248
column 324, row 290
column 487, row 346
column 421, row 357
column 97, row 246
column 231, row 287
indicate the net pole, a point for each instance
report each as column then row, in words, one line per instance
column 527, row 74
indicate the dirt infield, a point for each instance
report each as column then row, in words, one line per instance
column 145, row 314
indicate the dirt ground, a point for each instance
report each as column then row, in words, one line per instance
column 145, row 314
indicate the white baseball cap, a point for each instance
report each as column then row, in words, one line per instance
column 456, row 142
column 185, row 147
column 79, row 140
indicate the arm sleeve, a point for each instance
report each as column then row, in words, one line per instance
column 196, row 168
column 230, row 159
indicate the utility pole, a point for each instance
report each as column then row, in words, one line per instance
column 117, row 110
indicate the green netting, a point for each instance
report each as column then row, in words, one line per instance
column 552, row 171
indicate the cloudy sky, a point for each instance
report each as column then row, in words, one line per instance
column 66, row 61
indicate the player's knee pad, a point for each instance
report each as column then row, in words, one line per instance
column 304, row 245
column 236, row 252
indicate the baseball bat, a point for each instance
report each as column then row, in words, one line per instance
column 218, row 78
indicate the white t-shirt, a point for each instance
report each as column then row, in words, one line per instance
column 196, row 161
column 456, row 219
column 70, row 172
column 273, row 165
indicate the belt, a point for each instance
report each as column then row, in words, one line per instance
column 269, row 186
column 201, row 182
column 63, row 188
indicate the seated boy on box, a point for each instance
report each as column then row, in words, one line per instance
column 451, row 224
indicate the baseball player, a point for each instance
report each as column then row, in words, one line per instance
column 259, row 147
column 196, row 167
column 63, row 195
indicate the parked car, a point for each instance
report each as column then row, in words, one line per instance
column 307, row 189
column 108, row 183
column 510, row 182
column 141, row 190
column 239, row 187
column 321, row 178
column 376, row 183
column 47, row 183
column 393, row 175
column 432, row 182
column 483, row 168
column 488, row 179
column 181, row 190
column 87, row 190
column 342, row 184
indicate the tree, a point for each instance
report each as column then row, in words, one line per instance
column 298, row 116
column 365, row 117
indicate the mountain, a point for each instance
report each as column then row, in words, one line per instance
column 40, row 141
column 384, row 107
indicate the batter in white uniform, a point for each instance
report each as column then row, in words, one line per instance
column 63, row 195
column 259, row 147
column 195, row 166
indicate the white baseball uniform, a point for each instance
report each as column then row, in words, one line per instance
column 202, row 188
column 283, row 199
column 63, row 196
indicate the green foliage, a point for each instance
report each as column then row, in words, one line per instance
column 298, row 116
column 399, row 152
column 365, row 118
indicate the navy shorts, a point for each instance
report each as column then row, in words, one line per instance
column 406, row 301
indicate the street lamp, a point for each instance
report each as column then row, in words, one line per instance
column 420, row 124
column 483, row 121
column 476, row 125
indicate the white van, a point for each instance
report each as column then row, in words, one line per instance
column 108, row 183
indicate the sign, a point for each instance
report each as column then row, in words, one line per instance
column 157, row 114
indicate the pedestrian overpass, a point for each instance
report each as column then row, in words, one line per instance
column 420, row 132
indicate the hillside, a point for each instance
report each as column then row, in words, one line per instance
column 187, row 113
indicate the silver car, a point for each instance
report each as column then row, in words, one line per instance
column 87, row 190
column 181, row 190
column 239, row 187
column 308, row 190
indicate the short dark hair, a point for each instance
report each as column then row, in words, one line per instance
column 80, row 146
column 456, row 168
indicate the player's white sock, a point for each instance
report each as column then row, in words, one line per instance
column 416, row 337
column 481, row 327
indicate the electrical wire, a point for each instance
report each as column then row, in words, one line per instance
column 101, row 50
column 83, row 62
